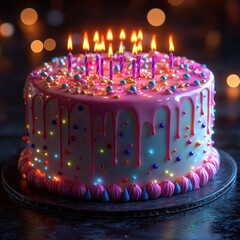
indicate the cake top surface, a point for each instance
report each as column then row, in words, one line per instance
column 122, row 77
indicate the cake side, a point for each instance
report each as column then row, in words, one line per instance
column 121, row 139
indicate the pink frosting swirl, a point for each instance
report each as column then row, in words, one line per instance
column 78, row 190
column 183, row 183
column 215, row 152
column 97, row 191
column 210, row 168
column 215, row 161
column 52, row 185
column 40, row 181
column 115, row 192
column 31, row 176
column 203, row 176
column 194, row 178
column 167, row 188
column 134, row 191
column 153, row 190
column 64, row 188
column 22, row 161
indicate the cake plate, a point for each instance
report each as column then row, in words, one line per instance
column 18, row 189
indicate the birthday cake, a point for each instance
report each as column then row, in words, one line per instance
column 119, row 128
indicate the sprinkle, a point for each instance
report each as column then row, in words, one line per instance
column 191, row 153
column 161, row 125
column 186, row 75
column 178, row 159
column 109, row 89
column 127, row 152
column 198, row 143
column 197, row 83
column 44, row 74
column 50, row 79
column 189, row 141
column 123, row 82
column 163, row 78
column 133, row 88
column 64, row 85
column 152, row 83
column 77, row 76
column 203, row 125
column 168, row 92
column 117, row 68
column 155, row 166
column 173, row 87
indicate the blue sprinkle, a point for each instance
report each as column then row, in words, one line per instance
column 187, row 67
column 49, row 78
column 75, row 126
column 145, row 195
column 203, row 125
column 88, row 195
column 197, row 83
column 145, row 66
column 161, row 125
column 117, row 68
column 203, row 74
column 64, row 85
column 145, row 87
column 177, row 188
column 191, row 153
column 61, row 62
column 152, row 83
column 123, row 82
column 181, row 66
column 127, row 152
column 187, row 84
column 155, row 166
column 96, row 139
column 173, row 87
column 54, row 122
column 204, row 65
column 178, row 159
column 125, row 196
column 54, row 59
column 105, row 196
column 163, row 78
column 76, row 68
column 186, row 75
column 82, row 68
column 121, row 134
column 32, row 145
column 77, row 76
column 109, row 89
column 80, row 107
column 133, row 88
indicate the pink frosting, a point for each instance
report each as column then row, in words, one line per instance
column 134, row 191
column 97, row 191
column 153, row 190
column 115, row 192
column 22, row 161
column 78, row 190
column 167, row 188
column 26, row 168
column 64, row 188
column 52, row 185
column 183, row 183
column 203, row 176
column 215, row 152
column 40, row 181
column 31, row 176
column 210, row 168
column 194, row 178
column 215, row 161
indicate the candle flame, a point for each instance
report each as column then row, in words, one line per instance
column 153, row 43
column 102, row 44
column 134, row 49
column 139, row 47
column 121, row 47
column 122, row 35
column 140, row 35
column 97, row 47
column 134, row 37
column 110, row 50
column 85, row 42
column 69, row 43
column 96, row 37
column 171, row 46
column 109, row 35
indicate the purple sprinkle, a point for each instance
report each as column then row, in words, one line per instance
column 189, row 141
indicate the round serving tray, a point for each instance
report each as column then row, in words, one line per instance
column 18, row 189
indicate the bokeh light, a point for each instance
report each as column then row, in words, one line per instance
column 55, row 18
column 36, row 46
column 233, row 80
column 175, row 2
column 49, row 44
column 7, row 29
column 156, row 17
column 213, row 39
column 29, row 16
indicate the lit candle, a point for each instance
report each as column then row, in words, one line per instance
column 69, row 57
column 121, row 57
column 139, row 58
column 153, row 48
column 109, row 35
column 86, row 48
column 134, row 37
column 171, row 50
column 134, row 51
column 96, row 49
column 102, row 47
column 122, row 37
column 110, row 53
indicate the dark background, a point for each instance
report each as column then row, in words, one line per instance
column 191, row 24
